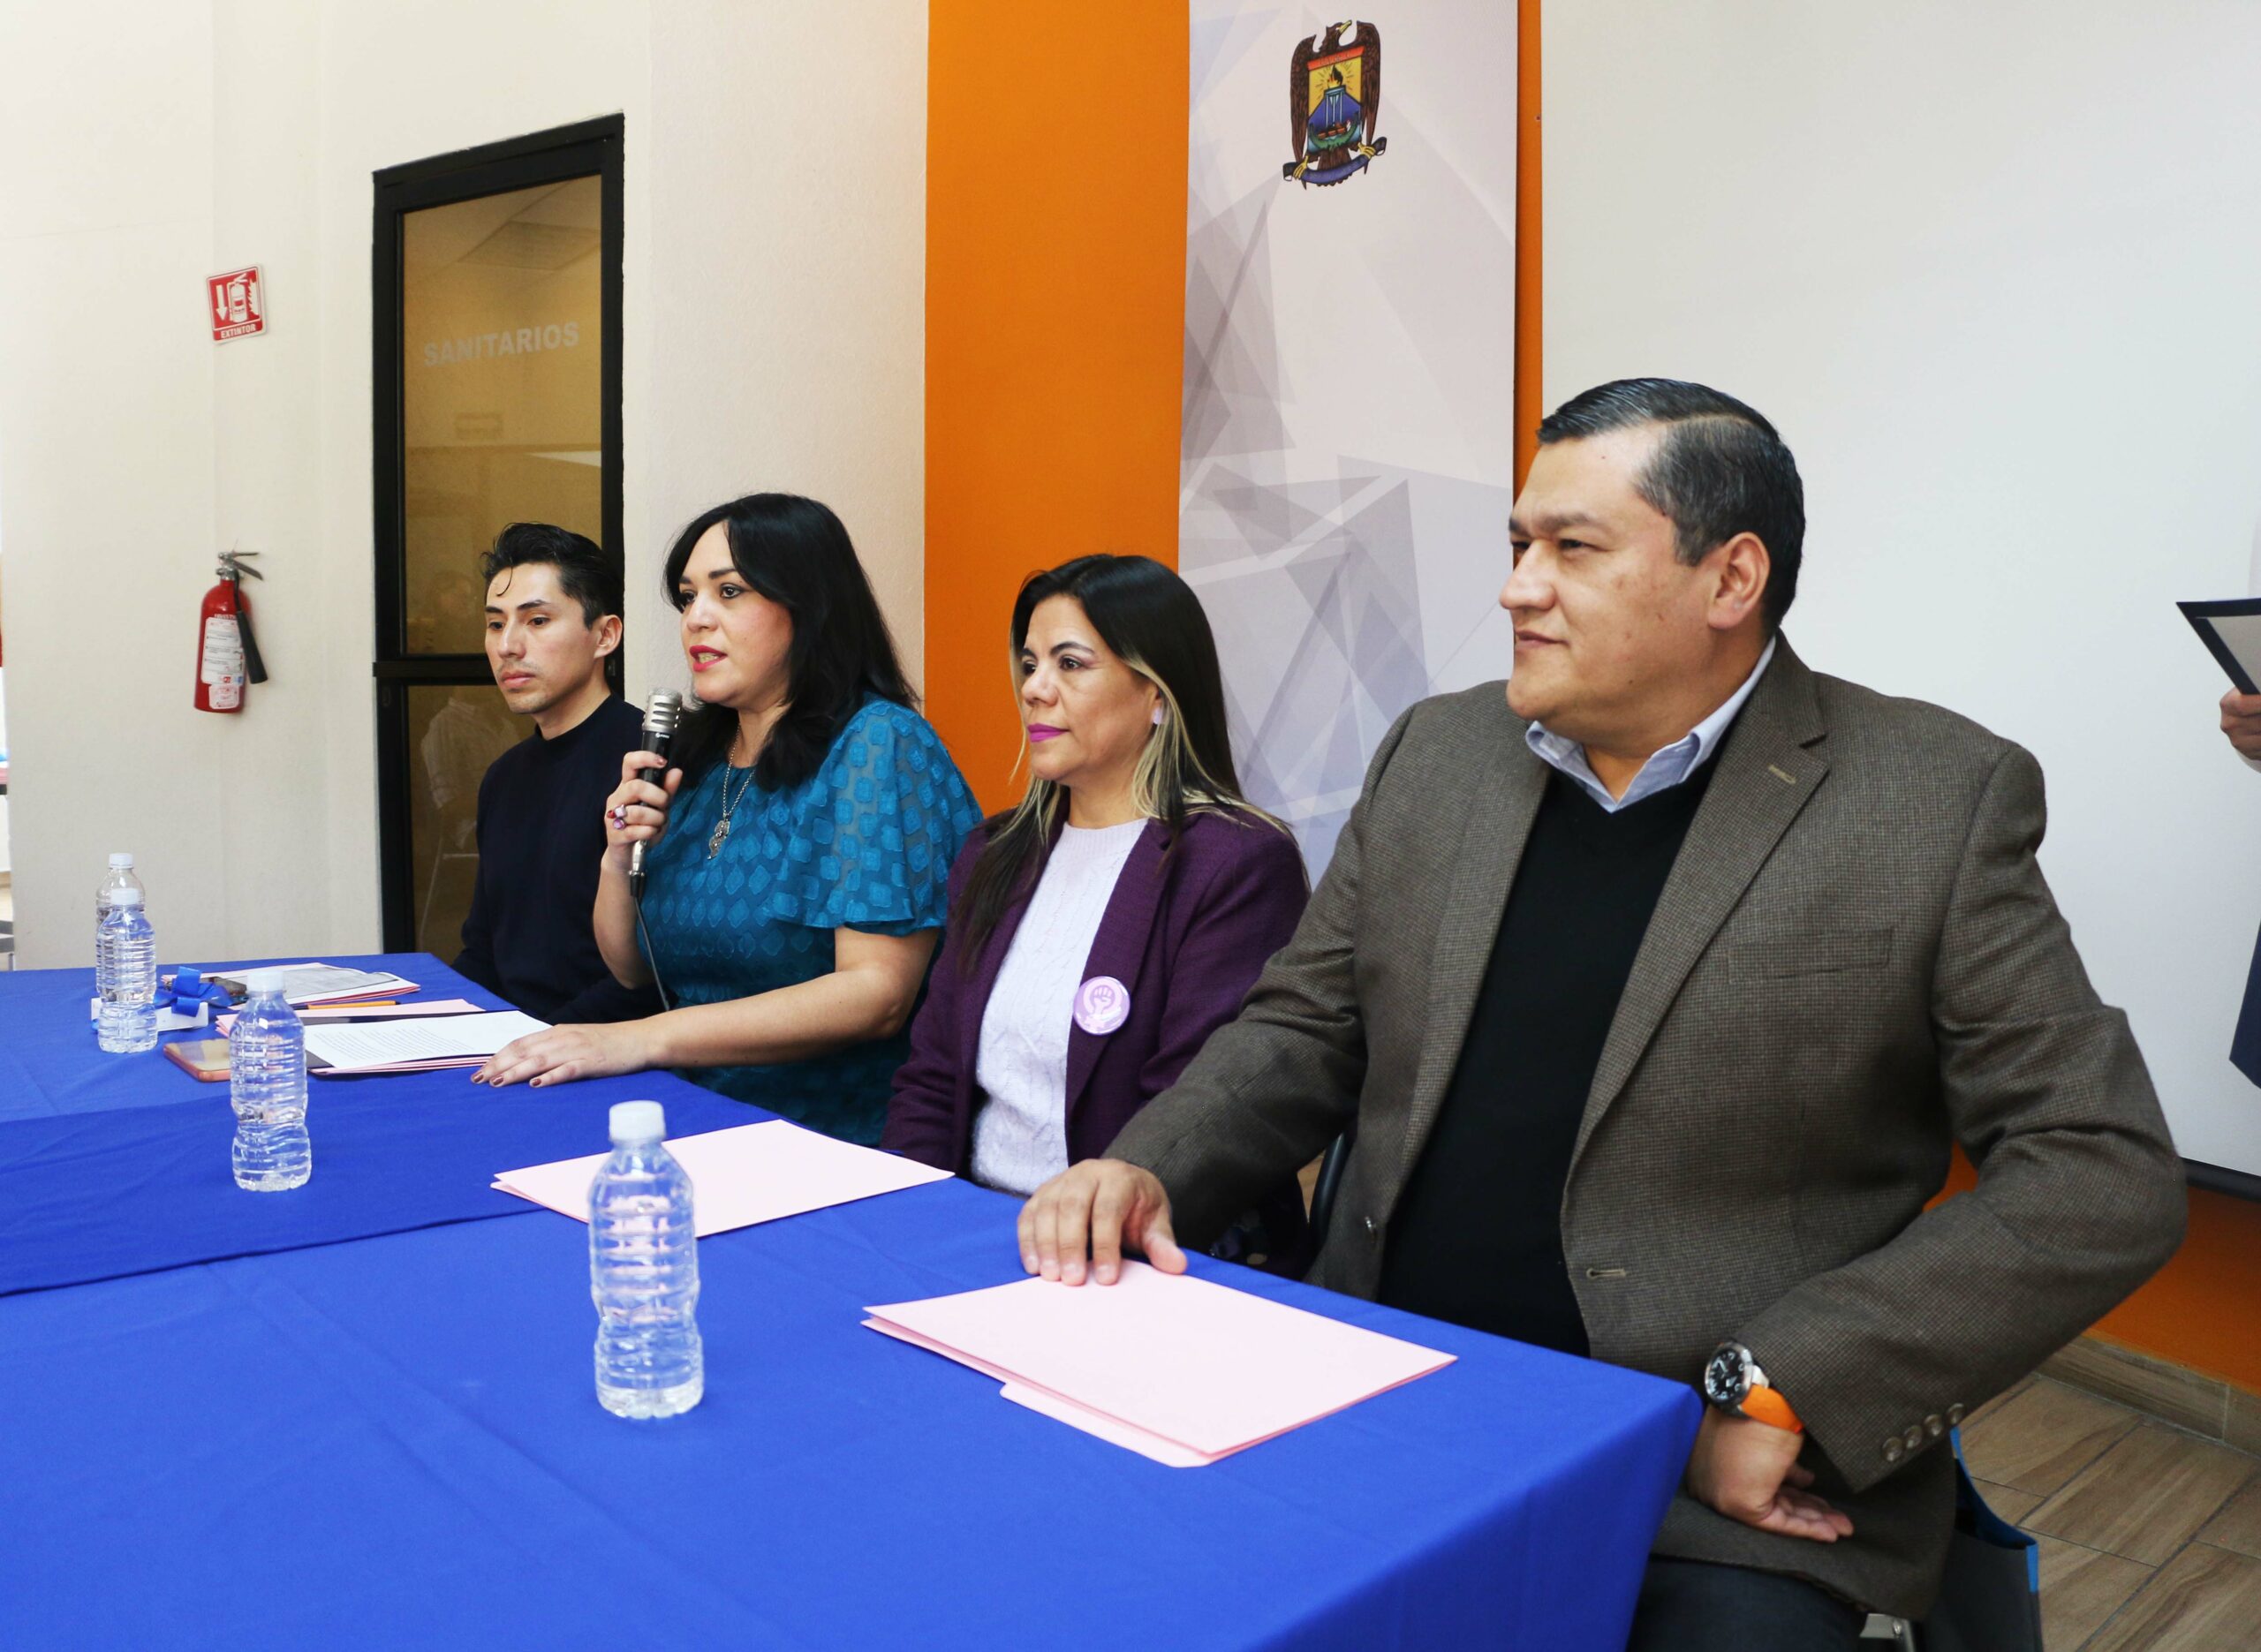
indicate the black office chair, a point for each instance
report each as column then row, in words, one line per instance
column 1897, row 1631
column 1329, row 1185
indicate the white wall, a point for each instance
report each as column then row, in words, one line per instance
column 772, row 316
column 106, row 466
column 1995, row 270
column 787, row 348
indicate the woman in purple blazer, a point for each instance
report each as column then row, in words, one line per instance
column 1102, row 931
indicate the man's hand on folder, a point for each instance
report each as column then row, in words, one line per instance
column 2242, row 722
column 1097, row 1208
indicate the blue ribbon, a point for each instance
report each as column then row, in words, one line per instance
column 187, row 988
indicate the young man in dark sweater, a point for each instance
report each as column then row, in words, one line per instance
column 552, row 638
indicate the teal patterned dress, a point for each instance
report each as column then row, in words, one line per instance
column 864, row 843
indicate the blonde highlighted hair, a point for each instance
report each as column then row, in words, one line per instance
column 1152, row 621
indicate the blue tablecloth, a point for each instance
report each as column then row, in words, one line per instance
column 49, row 1064
column 97, row 1194
column 394, row 1441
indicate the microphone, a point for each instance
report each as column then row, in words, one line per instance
column 661, row 714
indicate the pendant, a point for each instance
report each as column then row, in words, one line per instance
column 715, row 839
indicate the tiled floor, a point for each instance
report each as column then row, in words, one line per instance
column 2150, row 1538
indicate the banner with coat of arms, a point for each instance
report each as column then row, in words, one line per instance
column 1346, row 458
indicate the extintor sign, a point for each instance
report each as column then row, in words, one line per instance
column 239, row 302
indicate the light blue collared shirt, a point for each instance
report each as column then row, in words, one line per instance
column 1665, row 769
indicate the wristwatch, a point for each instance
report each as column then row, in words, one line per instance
column 1734, row 1382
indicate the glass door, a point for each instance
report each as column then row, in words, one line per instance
column 497, row 373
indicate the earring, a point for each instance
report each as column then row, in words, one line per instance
column 1158, row 716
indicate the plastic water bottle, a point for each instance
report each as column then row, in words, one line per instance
column 126, row 976
column 644, row 1272
column 120, row 876
column 267, row 1083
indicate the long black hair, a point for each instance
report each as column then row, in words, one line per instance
column 796, row 553
column 1150, row 620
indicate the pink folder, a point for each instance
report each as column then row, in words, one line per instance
column 1182, row 1370
column 746, row 1174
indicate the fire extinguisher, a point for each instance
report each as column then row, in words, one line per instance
column 227, row 654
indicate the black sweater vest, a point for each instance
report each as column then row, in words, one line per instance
column 1477, row 1236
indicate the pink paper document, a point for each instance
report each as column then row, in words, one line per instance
column 1182, row 1370
column 746, row 1174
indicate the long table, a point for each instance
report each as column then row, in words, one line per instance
column 393, row 1441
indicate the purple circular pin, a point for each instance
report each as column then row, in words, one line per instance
column 1102, row 1004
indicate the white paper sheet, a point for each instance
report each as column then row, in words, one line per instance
column 742, row 1175
column 361, row 1046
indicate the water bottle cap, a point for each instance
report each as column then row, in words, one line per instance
column 124, row 897
column 638, row 1122
column 257, row 981
column 125, row 862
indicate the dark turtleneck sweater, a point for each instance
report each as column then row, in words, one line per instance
column 541, row 837
column 1477, row 1237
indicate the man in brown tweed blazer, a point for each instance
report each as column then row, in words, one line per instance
column 1656, row 992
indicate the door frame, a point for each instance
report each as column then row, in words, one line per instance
column 589, row 148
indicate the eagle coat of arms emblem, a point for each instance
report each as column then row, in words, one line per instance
column 1333, row 104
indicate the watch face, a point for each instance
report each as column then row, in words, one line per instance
column 1724, row 1381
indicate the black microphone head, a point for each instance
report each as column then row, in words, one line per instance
column 662, row 714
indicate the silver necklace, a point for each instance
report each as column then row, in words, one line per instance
column 722, row 831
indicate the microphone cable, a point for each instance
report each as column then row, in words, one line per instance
column 644, row 936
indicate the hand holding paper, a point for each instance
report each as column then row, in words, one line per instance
column 2242, row 722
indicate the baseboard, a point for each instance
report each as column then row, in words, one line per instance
column 2208, row 1406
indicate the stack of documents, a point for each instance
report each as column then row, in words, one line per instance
column 1180, row 1370
column 748, row 1173
column 304, row 984
column 414, row 1044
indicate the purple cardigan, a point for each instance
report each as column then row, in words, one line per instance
column 1186, row 931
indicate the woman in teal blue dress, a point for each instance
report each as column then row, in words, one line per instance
column 800, row 852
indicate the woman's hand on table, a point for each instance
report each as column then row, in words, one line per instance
column 557, row 1055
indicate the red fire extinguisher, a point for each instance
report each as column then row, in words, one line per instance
column 227, row 654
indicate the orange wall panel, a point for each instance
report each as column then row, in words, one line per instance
column 2203, row 1308
column 1056, row 317
column 1530, row 268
